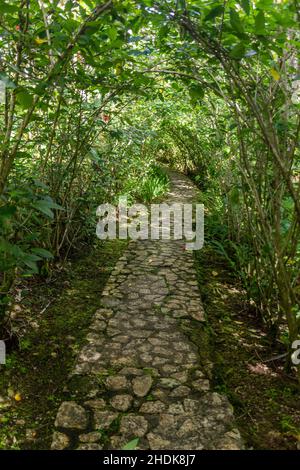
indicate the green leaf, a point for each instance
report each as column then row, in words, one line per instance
column 30, row 260
column 238, row 51
column 25, row 99
column 246, row 6
column 55, row 206
column 40, row 184
column 5, row 247
column 32, row 265
column 6, row 8
column 214, row 12
column 6, row 212
column 196, row 92
column 52, row 204
column 43, row 207
column 131, row 445
column 181, row 4
column 234, row 196
column 260, row 27
column 7, row 82
column 112, row 33
column 235, row 21
column 42, row 253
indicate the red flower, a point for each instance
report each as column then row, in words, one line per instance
column 106, row 118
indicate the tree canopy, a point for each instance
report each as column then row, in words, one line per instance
column 93, row 93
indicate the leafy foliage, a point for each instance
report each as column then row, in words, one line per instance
column 96, row 93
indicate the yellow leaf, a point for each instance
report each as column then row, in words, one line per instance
column 275, row 74
column 40, row 40
column 214, row 273
column 18, row 397
column 118, row 69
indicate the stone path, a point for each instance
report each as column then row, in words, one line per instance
column 145, row 369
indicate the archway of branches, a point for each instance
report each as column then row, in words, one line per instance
column 93, row 94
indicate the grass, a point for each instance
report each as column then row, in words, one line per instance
column 154, row 186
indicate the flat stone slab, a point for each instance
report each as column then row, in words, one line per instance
column 71, row 416
column 145, row 370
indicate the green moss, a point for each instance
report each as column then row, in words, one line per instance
column 39, row 369
column 199, row 334
column 149, row 371
column 265, row 401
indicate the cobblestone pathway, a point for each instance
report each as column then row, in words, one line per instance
column 145, row 369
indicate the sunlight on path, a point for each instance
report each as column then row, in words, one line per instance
column 145, row 369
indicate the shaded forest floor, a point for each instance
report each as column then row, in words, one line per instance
column 266, row 403
column 265, row 399
column 57, row 314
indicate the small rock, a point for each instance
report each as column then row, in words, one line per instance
column 147, row 358
column 142, row 385
column 176, row 408
column 169, row 383
column 98, row 404
column 231, row 441
column 92, row 393
column 98, row 325
column 124, row 361
column 181, row 346
column 167, row 421
column 131, row 371
column 198, row 315
column 216, row 399
column 90, row 446
column 133, row 425
column 156, row 442
column 60, row 441
column 21, row 422
column 71, row 416
column 180, row 376
column 103, row 419
column 153, row 407
column 158, row 361
column 121, row 402
column 117, row 382
column 95, row 339
column 118, row 442
column 169, row 369
column 89, row 355
column 181, row 391
column 188, row 427
column 199, row 374
column 90, row 437
column 201, row 385
column 159, row 394
column 191, row 406
column 103, row 314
